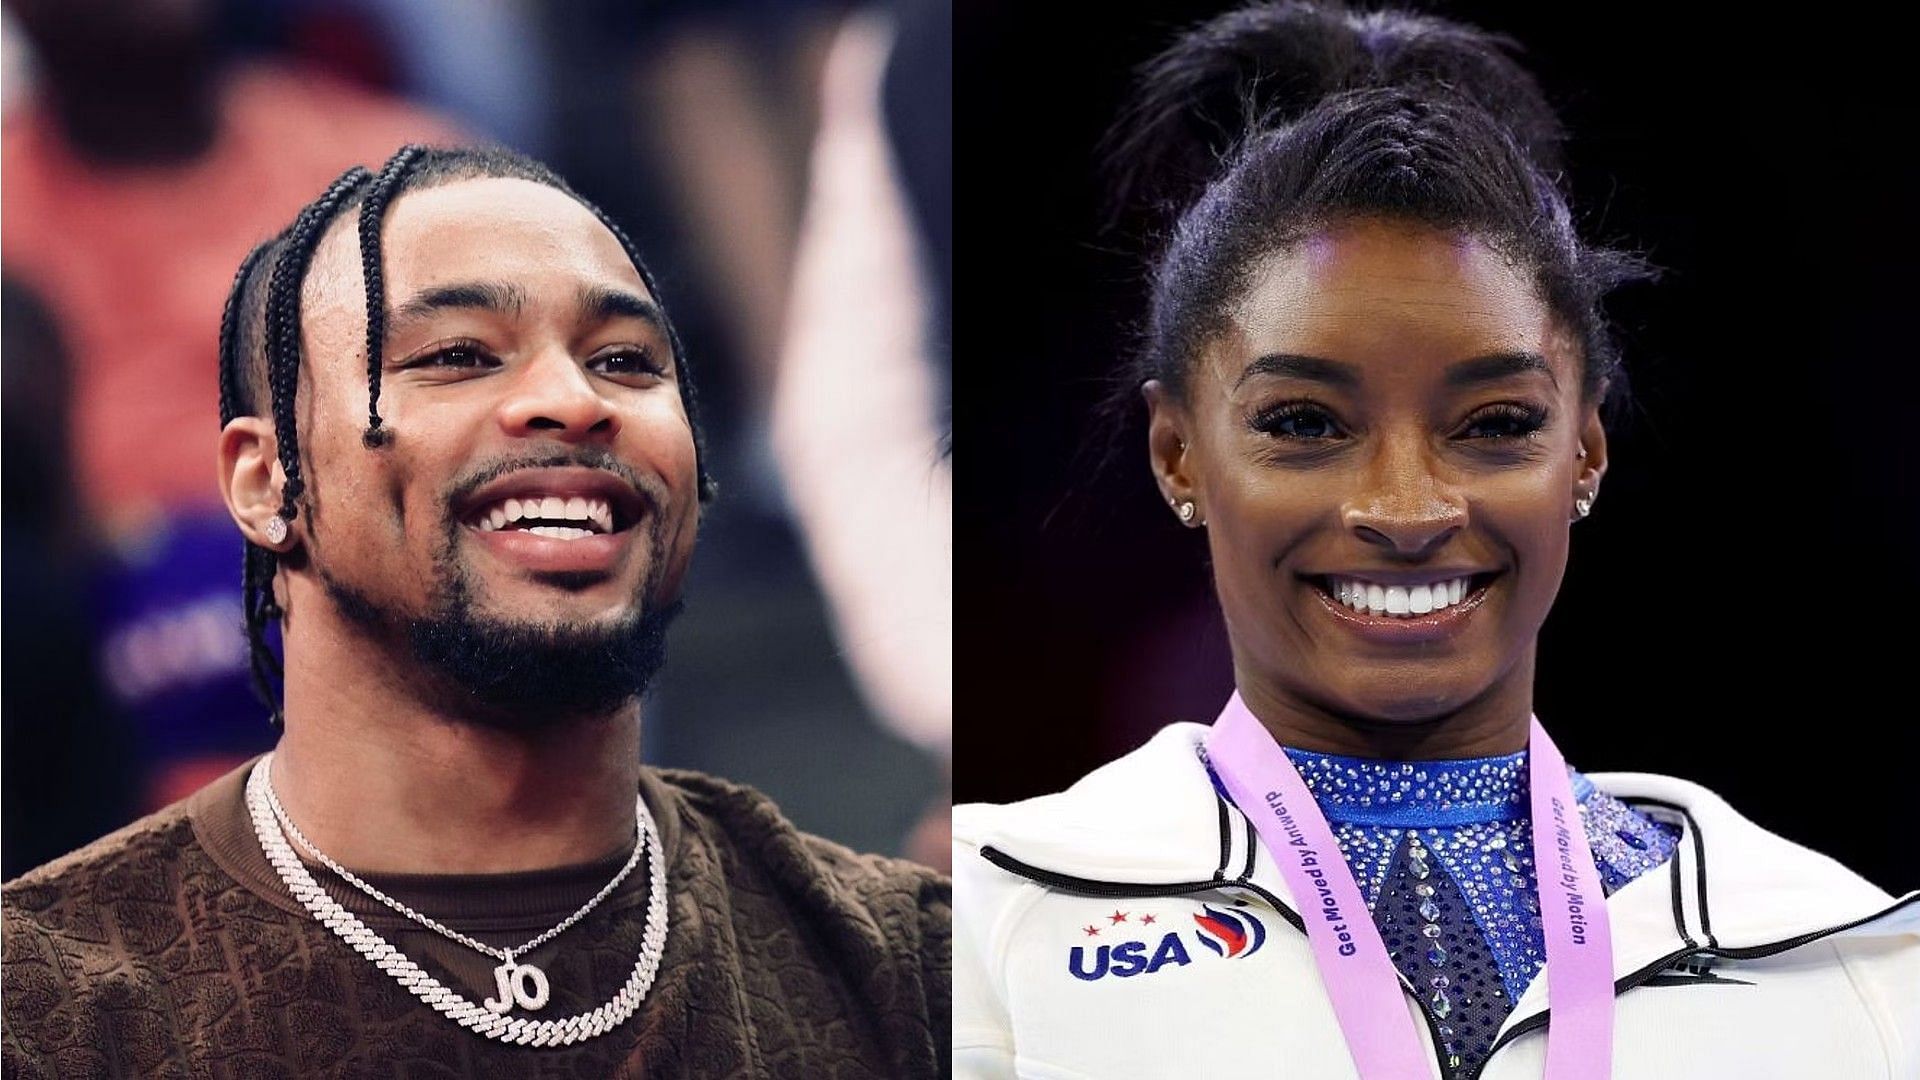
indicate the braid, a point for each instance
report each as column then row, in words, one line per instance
column 687, row 396
column 283, row 326
column 281, row 342
column 256, row 579
column 257, row 563
column 371, row 213
column 232, row 368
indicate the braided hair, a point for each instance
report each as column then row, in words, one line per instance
column 260, row 338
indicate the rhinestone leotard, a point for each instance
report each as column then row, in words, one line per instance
column 1442, row 851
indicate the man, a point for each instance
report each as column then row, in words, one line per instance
column 473, row 546
column 141, row 163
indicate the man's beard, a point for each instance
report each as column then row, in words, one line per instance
column 523, row 675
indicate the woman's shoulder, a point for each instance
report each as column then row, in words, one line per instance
column 1748, row 885
column 1126, row 816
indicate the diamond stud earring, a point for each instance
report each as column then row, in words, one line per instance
column 276, row 529
column 1185, row 509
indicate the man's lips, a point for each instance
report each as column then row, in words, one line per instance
column 565, row 519
column 572, row 497
column 596, row 553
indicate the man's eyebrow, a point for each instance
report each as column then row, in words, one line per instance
column 501, row 297
column 1294, row 366
column 1496, row 366
column 599, row 303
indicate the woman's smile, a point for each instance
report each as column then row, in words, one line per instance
column 1402, row 608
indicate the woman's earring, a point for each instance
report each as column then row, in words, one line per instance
column 1184, row 508
column 276, row 529
column 1584, row 505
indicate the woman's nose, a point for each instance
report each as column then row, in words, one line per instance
column 1404, row 507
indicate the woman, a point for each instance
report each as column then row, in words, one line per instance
column 1374, row 368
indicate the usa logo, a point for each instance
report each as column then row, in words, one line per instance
column 1231, row 935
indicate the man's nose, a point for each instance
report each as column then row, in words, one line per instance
column 554, row 395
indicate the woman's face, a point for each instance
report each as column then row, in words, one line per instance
column 1385, row 446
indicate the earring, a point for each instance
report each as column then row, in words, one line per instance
column 1185, row 509
column 1583, row 505
column 276, row 529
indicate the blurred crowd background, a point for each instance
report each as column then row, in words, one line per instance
column 786, row 165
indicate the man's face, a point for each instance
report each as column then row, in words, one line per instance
column 541, row 482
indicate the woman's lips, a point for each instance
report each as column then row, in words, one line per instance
column 1385, row 613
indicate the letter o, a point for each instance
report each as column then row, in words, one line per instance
column 529, row 998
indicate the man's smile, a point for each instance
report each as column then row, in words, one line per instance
column 560, row 519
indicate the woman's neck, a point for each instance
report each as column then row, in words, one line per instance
column 1497, row 722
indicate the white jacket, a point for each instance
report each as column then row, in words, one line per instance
column 1077, row 952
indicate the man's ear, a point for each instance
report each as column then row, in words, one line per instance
column 1170, row 452
column 251, row 481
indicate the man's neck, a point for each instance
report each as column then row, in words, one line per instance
column 383, row 780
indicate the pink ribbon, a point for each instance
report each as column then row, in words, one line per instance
column 1360, row 978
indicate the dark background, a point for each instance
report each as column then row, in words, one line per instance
column 1738, row 609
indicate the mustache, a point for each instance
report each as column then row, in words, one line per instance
column 649, row 488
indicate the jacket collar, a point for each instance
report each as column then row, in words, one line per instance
column 1153, row 819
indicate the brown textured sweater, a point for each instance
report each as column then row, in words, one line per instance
column 171, row 949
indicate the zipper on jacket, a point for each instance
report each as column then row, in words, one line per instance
column 1095, row 887
column 1629, row 982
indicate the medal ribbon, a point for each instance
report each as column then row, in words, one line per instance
column 1360, row 978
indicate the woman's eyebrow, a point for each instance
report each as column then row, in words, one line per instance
column 1295, row 366
column 1496, row 366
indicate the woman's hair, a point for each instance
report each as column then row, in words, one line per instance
column 1272, row 121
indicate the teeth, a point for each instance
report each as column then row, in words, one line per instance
column 594, row 513
column 560, row 532
column 1398, row 600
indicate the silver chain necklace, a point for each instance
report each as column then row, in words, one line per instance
column 518, row 984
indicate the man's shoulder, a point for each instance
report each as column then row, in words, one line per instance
column 84, row 937
column 884, row 924
column 139, row 862
column 745, row 823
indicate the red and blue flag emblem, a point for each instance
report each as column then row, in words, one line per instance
column 1231, row 934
